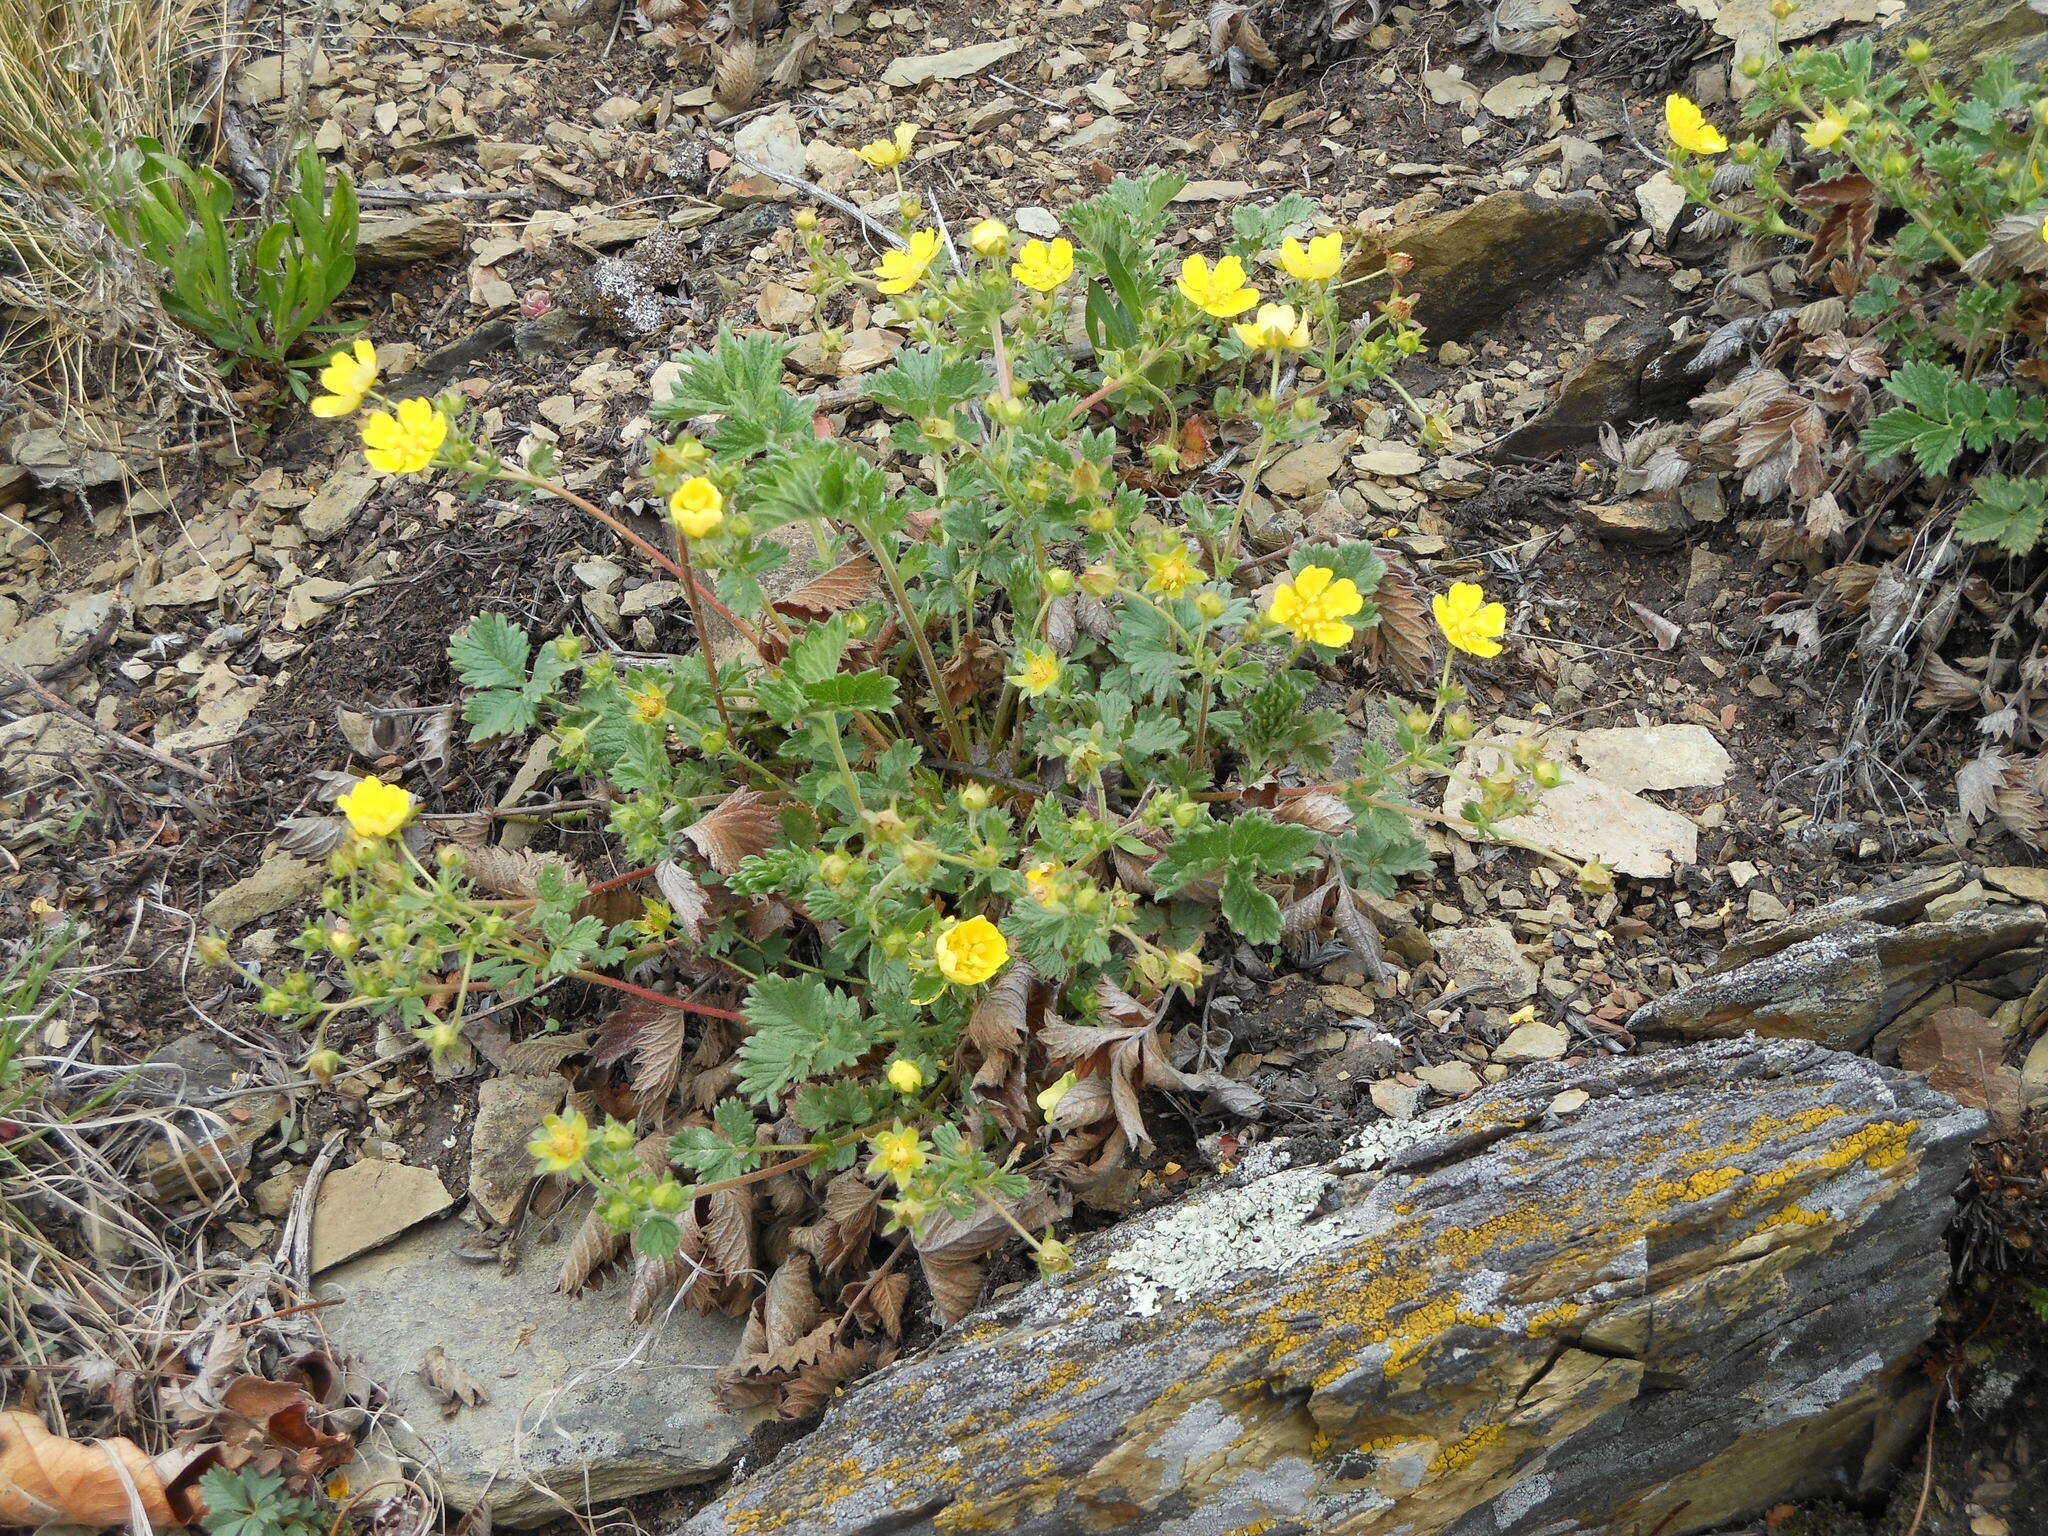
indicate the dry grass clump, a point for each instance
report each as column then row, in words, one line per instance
column 80, row 80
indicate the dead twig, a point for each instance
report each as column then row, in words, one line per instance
column 881, row 232
column 70, row 712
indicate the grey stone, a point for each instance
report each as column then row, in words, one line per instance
column 386, row 243
column 583, row 1401
column 366, row 1204
column 1841, row 987
column 1683, row 1301
column 59, row 464
column 1486, row 963
column 335, row 505
column 508, row 1111
column 1964, row 33
column 278, row 882
column 1892, row 904
column 36, row 745
column 1474, row 263
column 1633, row 373
column 1639, row 757
column 49, row 638
column 1647, row 521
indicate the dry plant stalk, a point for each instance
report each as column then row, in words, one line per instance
column 79, row 80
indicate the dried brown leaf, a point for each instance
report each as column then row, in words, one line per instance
column 846, row 585
column 455, row 1387
column 743, row 824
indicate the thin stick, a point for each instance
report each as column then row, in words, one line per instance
column 829, row 199
column 79, row 716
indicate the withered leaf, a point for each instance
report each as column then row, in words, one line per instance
column 456, row 1388
column 740, row 826
column 846, row 585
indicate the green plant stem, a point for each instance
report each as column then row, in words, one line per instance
column 956, row 736
column 703, row 639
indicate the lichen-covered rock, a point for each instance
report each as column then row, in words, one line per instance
column 1473, row 263
column 1647, row 1294
column 1843, row 985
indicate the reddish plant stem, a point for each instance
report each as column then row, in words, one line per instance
column 683, row 1003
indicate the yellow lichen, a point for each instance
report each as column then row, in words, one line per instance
column 1455, row 1458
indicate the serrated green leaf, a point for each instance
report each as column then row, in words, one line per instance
column 802, row 1029
column 491, row 652
column 2008, row 512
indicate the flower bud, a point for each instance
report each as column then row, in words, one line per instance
column 1098, row 580
column 906, row 1077
column 1752, row 68
column 1087, row 477
column 322, row 1065
column 712, row 742
column 1186, row 814
column 834, row 868
column 1006, row 409
column 1416, row 720
column 991, row 237
column 1054, row 1257
column 441, row 1038
column 806, row 218
column 617, row 1136
column 212, row 948
column 1059, row 581
column 343, row 940
column 974, row 797
column 1783, row 9
column 1101, row 520
column 569, row 647
column 920, row 858
column 1896, row 166
column 1458, row 725
column 1399, row 263
column 858, row 623
column 1547, row 774
column 1210, row 604
column 939, row 429
column 667, row 1197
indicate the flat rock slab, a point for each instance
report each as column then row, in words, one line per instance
column 1654, row 1293
column 369, row 1203
column 1585, row 818
column 583, row 1401
column 1474, row 263
column 1639, row 757
column 1843, row 985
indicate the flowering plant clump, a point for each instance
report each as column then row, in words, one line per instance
column 1883, row 376
column 987, row 758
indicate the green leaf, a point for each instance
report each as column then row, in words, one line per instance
column 1933, row 444
column 498, row 712
column 922, row 384
column 1238, row 851
column 739, row 379
column 720, row 1150
column 491, row 653
column 802, row 1029
column 850, row 691
column 2008, row 512
column 658, row 1236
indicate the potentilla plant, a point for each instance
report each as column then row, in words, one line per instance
column 992, row 742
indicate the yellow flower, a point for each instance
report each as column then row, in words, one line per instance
column 1037, row 670
column 1313, row 607
column 887, row 154
column 1049, row 1097
column 1172, row 571
column 1054, row 1257
column 1040, row 880
column 1825, row 130
column 649, row 703
column 897, row 1154
column 1219, row 290
column 905, row 1076
column 561, row 1141
column 1468, row 620
column 902, row 270
column 1317, row 262
column 971, row 952
column 1042, row 266
column 696, row 508
column 376, row 809
column 1689, row 128
column 405, row 443
column 1277, row 329
column 991, row 237
column 347, row 377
